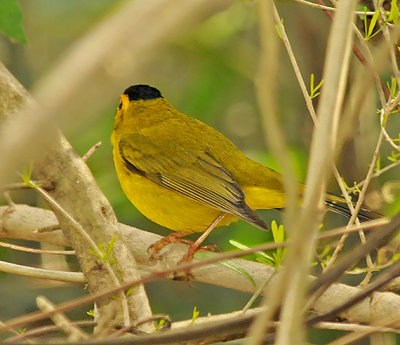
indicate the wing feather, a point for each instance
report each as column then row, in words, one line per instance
column 191, row 172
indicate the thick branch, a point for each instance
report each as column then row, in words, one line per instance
column 77, row 193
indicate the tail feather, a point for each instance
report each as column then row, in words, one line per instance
column 339, row 206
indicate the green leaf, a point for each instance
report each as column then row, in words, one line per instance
column 104, row 254
column 11, row 20
column 356, row 187
column 372, row 24
column 129, row 291
column 260, row 256
column 27, row 175
column 314, row 89
column 278, row 29
column 362, row 8
column 110, row 248
column 345, row 183
column 195, row 314
column 159, row 324
column 393, row 156
column 279, row 236
column 394, row 87
column 228, row 263
column 394, row 12
column 95, row 253
column 378, row 163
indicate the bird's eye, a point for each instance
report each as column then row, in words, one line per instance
column 120, row 105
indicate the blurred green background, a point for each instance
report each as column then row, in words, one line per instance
column 209, row 74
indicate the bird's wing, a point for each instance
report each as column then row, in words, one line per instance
column 190, row 171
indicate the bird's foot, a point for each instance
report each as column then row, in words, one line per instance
column 188, row 257
column 193, row 250
column 156, row 247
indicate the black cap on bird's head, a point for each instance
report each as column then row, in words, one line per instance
column 138, row 92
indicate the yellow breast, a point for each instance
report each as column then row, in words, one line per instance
column 162, row 206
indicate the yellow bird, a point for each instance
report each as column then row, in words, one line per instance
column 186, row 176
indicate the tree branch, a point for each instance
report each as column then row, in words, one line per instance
column 77, row 193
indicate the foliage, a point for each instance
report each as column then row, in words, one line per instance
column 105, row 251
column 11, row 20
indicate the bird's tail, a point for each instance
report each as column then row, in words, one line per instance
column 338, row 205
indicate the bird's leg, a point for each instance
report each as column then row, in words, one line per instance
column 172, row 238
column 196, row 244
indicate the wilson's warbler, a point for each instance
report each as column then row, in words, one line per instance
column 186, row 176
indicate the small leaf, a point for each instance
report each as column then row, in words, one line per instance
column 95, row 253
column 356, row 187
column 279, row 236
column 232, row 265
column 393, row 157
column 372, row 24
column 396, row 257
column 159, row 324
column 278, row 29
column 227, row 263
column 110, row 248
column 345, row 183
column 365, row 22
column 378, row 164
column 312, row 81
column 394, row 87
column 394, row 12
column 195, row 314
column 11, row 20
column 277, row 232
column 260, row 256
column 129, row 291
column 314, row 89
column 362, row 8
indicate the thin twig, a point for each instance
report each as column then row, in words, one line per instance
column 360, row 333
column 9, row 200
column 44, row 330
column 16, row 333
column 328, row 8
column 265, row 80
column 390, row 140
column 312, row 112
column 21, row 185
column 375, row 174
column 257, row 294
column 370, row 172
column 40, row 273
column 381, row 90
column 72, row 330
column 36, row 251
column 92, row 150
